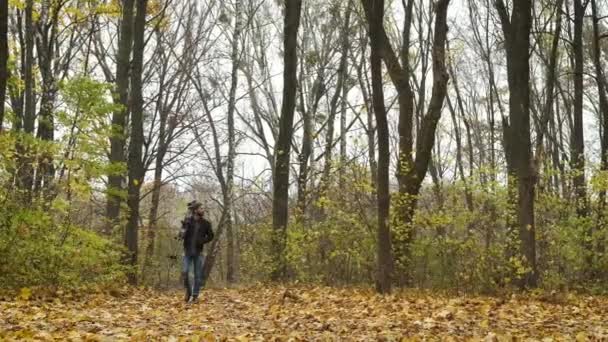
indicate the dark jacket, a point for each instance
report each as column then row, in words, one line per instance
column 198, row 239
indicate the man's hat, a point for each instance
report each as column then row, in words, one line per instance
column 194, row 205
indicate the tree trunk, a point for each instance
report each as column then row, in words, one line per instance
column 229, row 195
column 343, row 132
column 486, row 49
column 166, row 134
column 400, row 76
column 423, row 52
column 25, row 174
column 411, row 179
column 3, row 56
column 550, row 92
column 578, row 143
column 135, row 163
column 16, row 93
column 158, row 167
column 280, row 200
column 410, row 172
column 46, row 44
column 30, row 100
column 542, row 126
column 46, row 132
column 163, row 146
column 517, row 135
column 601, row 87
column 213, row 250
column 384, row 258
column 156, row 192
column 117, row 140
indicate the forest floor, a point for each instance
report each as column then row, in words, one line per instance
column 300, row 314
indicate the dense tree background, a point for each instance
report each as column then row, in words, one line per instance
column 454, row 144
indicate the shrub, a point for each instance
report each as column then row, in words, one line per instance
column 37, row 249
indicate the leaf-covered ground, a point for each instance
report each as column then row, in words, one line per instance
column 296, row 314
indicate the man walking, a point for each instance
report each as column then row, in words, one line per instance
column 196, row 231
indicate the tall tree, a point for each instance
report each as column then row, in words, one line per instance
column 280, row 200
column 229, row 193
column 216, row 162
column 484, row 48
column 375, row 11
column 29, row 117
column 172, row 102
column 3, row 56
column 518, row 145
column 603, row 109
column 578, row 142
column 119, row 117
column 164, row 130
column 222, row 165
column 412, row 171
column 318, row 50
column 550, row 88
column 25, row 174
column 135, row 163
column 49, row 41
column 170, row 105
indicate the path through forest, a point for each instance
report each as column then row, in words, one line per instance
column 296, row 314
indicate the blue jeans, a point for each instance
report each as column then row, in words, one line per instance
column 196, row 261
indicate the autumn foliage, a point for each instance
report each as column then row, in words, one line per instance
column 296, row 313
